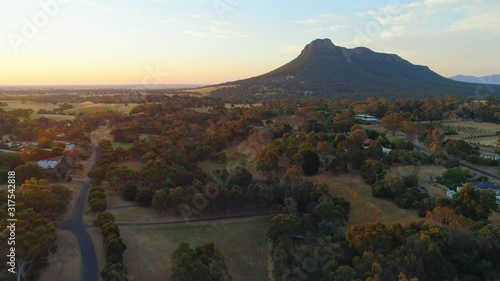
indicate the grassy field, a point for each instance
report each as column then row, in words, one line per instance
column 17, row 104
column 134, row 165
column 65, row 264
column 364, row 207
column 84, row 107
column 90, row 107
column 242, row 243
column 207, row 90
column 424, row 174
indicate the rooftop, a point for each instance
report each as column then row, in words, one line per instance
column 486, row 185
column 49, row 163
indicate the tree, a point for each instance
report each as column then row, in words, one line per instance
column 144, row 196
column 160, row 201
column 310, row 163
column 392, row 122
column 282, row 225
column 410, row 129
column 110, row 228
column 28, row 171
column 113, row 249
column 203, row 263
column 44, row 199
column 475, row 204
column 130, row 191
column 454, row 177
column 343, row 152
column 372, row 171
column 268, row 160
column 104, row 218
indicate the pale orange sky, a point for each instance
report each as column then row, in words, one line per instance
column 198, row 42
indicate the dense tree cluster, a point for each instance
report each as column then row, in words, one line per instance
column 204, row 262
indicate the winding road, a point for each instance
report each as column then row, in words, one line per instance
column 74, row 224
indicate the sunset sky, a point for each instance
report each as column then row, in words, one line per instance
column 74, row 42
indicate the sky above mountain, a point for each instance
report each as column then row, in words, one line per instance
column 47, row 42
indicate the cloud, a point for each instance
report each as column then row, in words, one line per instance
column 396, row 20
column 158, row 1
column 479, row 22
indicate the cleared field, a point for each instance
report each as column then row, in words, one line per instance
column 364, row 207
column 17, row 104
column 131, row 164
column 65, row 264
column 424, row 177
column 208, row 90
column 122, row 145
column 55, row 117
column 90, row 107
column 242, row 243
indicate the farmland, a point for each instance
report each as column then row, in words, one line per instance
column 364, row 207
column 485, row 134
column 78, row 108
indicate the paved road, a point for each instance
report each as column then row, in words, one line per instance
column 75, row 225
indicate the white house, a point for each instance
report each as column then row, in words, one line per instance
column 450, row 193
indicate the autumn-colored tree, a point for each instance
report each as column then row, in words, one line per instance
column 160, row 201
column 268, row 160
column 446, row 216
column 411, row 130
column 392, row 122
column 373, row 237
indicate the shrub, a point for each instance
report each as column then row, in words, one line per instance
column 104, row 218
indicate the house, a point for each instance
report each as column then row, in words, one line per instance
column 489, row 155
column 367, row 118
column 54, row 168
column 367, row 143
column 450, row 193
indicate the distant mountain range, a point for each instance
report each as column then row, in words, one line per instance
column 323, row 69
column 490, row 79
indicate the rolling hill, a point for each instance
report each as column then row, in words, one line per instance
column 325, row 70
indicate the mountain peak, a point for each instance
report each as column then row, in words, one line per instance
column 325, row 69
column 320, row 46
